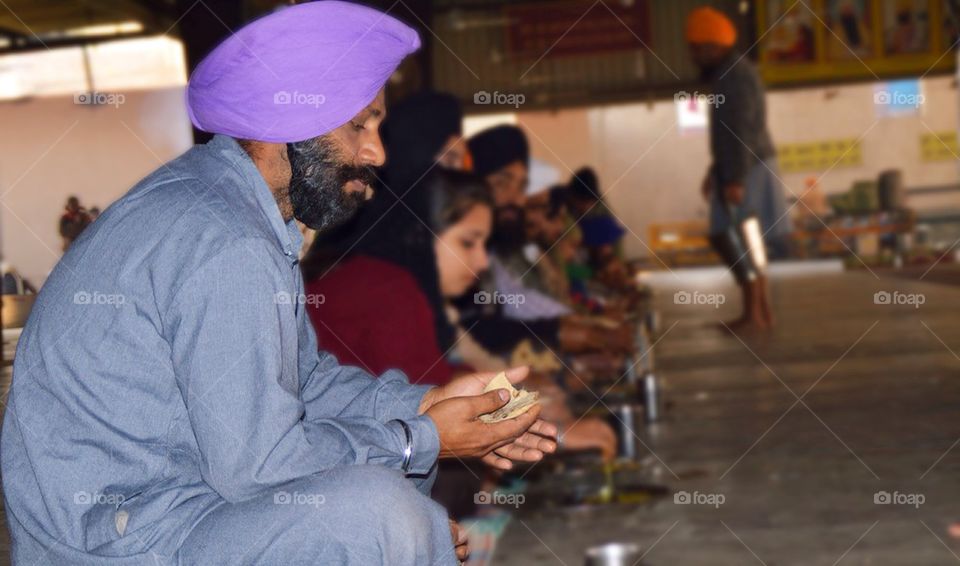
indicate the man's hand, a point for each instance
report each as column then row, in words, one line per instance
column 536, row 440
column 734, row 193
column 531, row 446
column 594, row 433
column 464, row 435
column 469, row 386
column 622, row 340
column 460, row 543
column 577, row 336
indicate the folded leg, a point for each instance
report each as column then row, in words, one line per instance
column 350, row 515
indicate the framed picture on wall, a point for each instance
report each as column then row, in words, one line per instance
column 906, row 27
column 850, row 30
column 950, row 32
column 790, row 33
column 818, row 41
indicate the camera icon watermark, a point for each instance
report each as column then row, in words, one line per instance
column 698, row 298
column 896, row 498
column 286, row 298
column 484, row 98
column 297, row 498
column 714, row 500
column 96, row 298
column 97, row 498
column 898, row 298
column 497, row 498
column 94, row 98
column 684, row 97
column 498, row 298
column 284, row 97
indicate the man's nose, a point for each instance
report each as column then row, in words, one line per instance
column 372, row 153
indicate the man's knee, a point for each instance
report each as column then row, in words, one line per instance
column 351, row 515
column 376, row 511
column 381, row 496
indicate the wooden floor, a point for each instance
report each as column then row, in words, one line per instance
column 799, row 432
column 879, row 412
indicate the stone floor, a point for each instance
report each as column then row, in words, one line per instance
column 799, row 432
column 878, row 412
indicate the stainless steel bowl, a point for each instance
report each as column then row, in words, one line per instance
column 613, row 554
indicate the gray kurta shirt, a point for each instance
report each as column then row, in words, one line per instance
column 739, row 138
column 169, row 366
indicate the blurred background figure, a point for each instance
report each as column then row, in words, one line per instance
column 73, row 221
column 742, row 180
column 501, row 155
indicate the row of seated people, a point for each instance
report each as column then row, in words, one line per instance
column 468, row 253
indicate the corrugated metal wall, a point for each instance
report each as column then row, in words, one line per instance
column 470, row 55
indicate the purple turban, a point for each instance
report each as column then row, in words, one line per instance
column 297, row 73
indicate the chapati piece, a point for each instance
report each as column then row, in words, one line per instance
column 520, row 402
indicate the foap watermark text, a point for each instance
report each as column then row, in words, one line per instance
column 714, row 500
column 896, row 498
column 895, row 98
column 97, row 298
column 97, row 498
column 94, row 98
column 285, row 298
column 714, row 100
column 897, row 298
column 299, row 98
column 497, row 498
column 497, row 98
column 497, row 298
column 298, row 498
column 698, row 298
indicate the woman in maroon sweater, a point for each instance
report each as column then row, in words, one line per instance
column 369, row 309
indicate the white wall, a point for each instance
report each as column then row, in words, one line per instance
column 53, row 148
column 652, row 171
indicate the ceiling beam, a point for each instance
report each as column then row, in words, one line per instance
column 27, row 43
column 11, row 33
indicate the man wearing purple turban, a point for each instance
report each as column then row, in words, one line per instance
column 169, row 405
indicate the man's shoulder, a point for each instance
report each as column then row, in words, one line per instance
column 738, row 72
column 177, row 219
column 194, row 194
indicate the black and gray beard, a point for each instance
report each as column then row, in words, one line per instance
column 318, row 182
column 509, row 230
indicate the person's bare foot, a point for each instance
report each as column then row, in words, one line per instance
column 768, row 319
column 763, row 302
column 953, row 530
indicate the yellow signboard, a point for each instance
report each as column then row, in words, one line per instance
column 820, row 155
column 940, row 146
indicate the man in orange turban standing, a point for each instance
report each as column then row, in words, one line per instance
column 742, row 180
